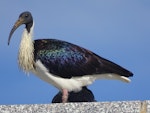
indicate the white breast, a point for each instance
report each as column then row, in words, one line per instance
column 25, row 56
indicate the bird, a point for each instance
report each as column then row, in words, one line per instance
column 64, row 65
column 85, row 95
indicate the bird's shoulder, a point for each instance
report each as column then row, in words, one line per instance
column 58, row 48
column 64, row 58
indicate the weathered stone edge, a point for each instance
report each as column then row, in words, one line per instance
column 85, row 107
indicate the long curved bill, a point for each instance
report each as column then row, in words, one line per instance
column 16, row 25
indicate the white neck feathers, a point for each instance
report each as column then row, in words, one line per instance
column 26, row 55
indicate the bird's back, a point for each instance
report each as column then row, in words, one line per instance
column 68, row 60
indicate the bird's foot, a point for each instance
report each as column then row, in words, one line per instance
column 64, row 95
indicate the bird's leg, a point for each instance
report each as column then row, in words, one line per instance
column 64, row 95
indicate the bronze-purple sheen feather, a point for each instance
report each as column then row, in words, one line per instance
column 68, row 60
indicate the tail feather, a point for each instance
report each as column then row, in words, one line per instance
column 111, row 67
column 112, row 76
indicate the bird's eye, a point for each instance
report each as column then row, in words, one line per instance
column 26, row 15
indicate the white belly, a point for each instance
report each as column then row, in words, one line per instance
column 74, row 83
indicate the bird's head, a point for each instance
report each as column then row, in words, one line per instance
column 24, row 18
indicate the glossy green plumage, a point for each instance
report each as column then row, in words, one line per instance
column 68, row 60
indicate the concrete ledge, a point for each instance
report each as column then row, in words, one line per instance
column 92, row 107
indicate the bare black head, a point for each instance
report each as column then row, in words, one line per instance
column 24, row 18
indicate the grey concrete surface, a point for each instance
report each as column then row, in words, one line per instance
column 89, row 107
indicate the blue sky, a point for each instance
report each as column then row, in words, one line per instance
column 118, row 30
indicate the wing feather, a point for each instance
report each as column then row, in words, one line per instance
column 68, row 60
